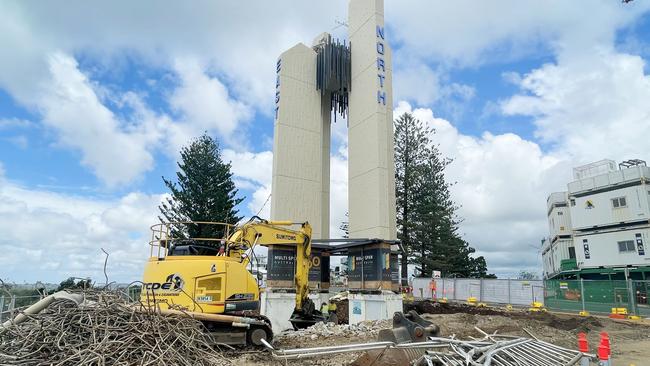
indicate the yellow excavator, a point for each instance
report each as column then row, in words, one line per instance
column 211, row 276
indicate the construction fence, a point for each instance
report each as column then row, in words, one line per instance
column 495, row 291
column 593, row 296
column 11, row 305
column 597, row 296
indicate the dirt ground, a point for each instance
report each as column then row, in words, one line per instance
column 630, row 340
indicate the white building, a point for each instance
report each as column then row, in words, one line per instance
column 601, row 225
column 559, row 245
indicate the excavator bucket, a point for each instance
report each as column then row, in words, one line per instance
column 307, row 316
column 299, row 321
column 410, row 327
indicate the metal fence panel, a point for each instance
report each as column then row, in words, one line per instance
column 595, row 296
column 497, row 291
column 640, row 291
column 448, row 289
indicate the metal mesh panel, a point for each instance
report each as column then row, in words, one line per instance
column 496, row 291
column 595, row 296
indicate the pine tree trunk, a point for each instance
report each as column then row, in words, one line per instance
column 405, row 243
column 405, row 273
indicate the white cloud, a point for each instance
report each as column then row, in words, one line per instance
column 19, row 141
column 205, row 49
column 260, row 203
column 255, row 167
column 338, row 191
column 7, row 123
column 70, row 106
column 215, row 39
column 255, row 171
column 468, row 32
column 120, row 150
column 580, row 108
column 423, row 86
column 204, row 102
column 419, row 84
column 239, row 40
column 49, row 236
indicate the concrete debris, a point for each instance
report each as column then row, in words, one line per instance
column 342, row 304
column 491, row 349
column 324, row 330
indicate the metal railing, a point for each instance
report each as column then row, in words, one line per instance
column 165, row 234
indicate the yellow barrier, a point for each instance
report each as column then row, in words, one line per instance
column 537, row 307
column 619, row 311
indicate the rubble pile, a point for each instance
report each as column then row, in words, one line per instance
column 106, row 330
column 324, row 330
column 342, row 304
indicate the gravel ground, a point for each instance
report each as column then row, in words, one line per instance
column 630, row 340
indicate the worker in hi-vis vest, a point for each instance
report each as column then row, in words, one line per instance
column 432, row 287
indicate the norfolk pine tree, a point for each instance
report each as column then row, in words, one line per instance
column 411, row 152
column 204, row 191
column 426, row 215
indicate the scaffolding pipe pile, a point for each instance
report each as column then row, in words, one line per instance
column 104, row 329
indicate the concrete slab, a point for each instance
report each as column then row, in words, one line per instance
column 278, row 307
column 373, row 307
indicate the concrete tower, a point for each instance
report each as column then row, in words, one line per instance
column 356, row 80
column 301, row 143
column 371, row 167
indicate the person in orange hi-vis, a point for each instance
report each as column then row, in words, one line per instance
column 432, row 287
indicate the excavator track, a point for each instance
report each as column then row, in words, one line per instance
column 225, row 333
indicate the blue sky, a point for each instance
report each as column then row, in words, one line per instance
column 93, row 109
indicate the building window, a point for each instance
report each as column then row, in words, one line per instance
column 573, row 202
column 619, row 202
column 572, row 253
column 626, row 246
column 560, row 213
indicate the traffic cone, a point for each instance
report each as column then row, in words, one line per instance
column 604, row 339
column 583, row 346
column 604, row 350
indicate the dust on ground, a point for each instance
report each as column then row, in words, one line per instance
column 630, row 340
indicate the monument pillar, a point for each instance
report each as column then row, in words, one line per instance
column 371, row 167
column 301, row 143
column 351, row 79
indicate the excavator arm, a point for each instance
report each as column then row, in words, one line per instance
column 262, row 232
